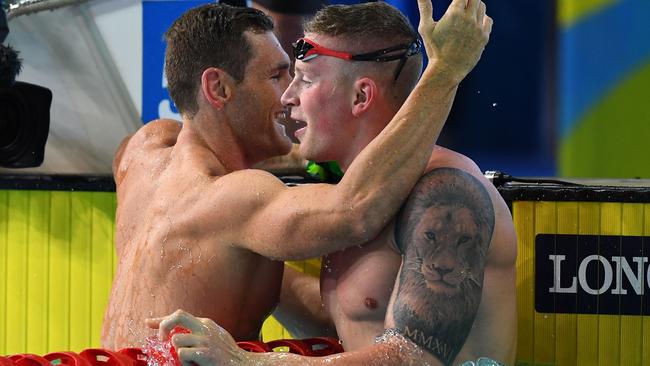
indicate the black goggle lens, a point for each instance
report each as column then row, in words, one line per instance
column 300, row 49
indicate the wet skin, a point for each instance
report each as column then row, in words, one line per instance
column 432, row 279
column 171, row 258
column 172, row 239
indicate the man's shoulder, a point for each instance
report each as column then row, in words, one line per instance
column 502, row 249
column 158, row 133
column 154, row 135
column 445, row 158
column 457, row 172
column 246, row 187
column 249, row 177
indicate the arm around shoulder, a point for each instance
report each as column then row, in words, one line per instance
column 309, row 221
column 259, row 213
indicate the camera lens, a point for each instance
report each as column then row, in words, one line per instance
column 14, row 127
column 24, row 124
column 9, row 123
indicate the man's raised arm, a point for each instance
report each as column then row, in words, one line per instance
column 312, row 220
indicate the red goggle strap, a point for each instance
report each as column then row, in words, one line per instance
column 317, row 49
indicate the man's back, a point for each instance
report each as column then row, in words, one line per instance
column 164, row 237
column 357, row 284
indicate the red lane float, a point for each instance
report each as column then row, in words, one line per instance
column 136, row 354
column 163, row 353
column 28, row 359
column 67, row 359
column 5, row 361
column 254, row 346
column 104, row 357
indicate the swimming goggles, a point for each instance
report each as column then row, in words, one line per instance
column 306, row 49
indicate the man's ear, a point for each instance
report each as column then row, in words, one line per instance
column 365, row 92
column 216, row 86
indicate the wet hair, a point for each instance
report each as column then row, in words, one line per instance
column 368, row 27
column 375, row 23
column 210, row 35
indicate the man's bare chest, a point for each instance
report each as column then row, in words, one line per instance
column 356, row 284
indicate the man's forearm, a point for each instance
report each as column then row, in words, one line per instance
column 211, row 345
column 395, row 351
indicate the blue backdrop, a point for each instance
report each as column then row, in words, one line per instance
column 504, row 113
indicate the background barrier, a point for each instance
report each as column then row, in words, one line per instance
column 57, row 262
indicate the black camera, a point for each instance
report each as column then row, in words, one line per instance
column 24, row 116
column 24, row 124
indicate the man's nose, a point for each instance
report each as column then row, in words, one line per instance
column 289, row 98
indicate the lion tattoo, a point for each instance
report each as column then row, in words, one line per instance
column 444, row 232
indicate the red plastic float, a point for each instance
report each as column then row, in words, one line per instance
column 67, row 359
column 163, row 353
column 29, row 359
column 135, row 354
column 104, row 357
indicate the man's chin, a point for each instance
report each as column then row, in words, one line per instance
column 287, row 147
column 307, row 153
column 315, row 152
column 282, row 146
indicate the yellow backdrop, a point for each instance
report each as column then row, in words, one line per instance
column 57, row 262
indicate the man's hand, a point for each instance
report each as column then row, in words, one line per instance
column 455, row 43
column 208, row 344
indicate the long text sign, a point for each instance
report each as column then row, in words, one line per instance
column 592, row 274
